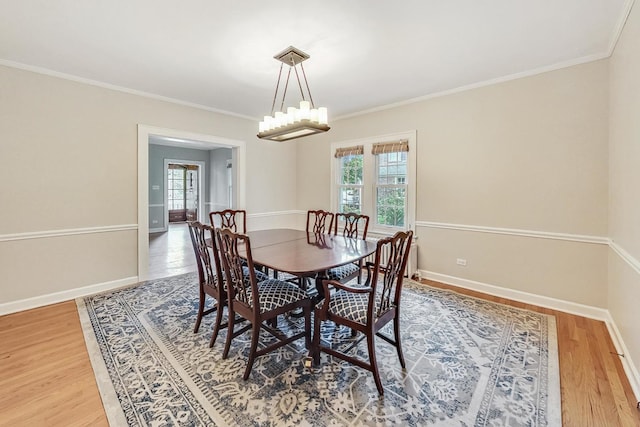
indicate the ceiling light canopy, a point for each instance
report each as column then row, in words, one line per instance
column 294, row 122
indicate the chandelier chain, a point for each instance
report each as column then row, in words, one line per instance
column 307, row 83
column 299, row 84
column 275, row 95
column 284, row 93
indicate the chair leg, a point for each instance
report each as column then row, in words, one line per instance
column 307, row 327
column 200, row 312
column 374, row 364
column 315, row 346
column 230, row 328
column 396, row 331
column 216, row 326
column 255, row 335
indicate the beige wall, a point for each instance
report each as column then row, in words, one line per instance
column 68, row 161
column 528, row 155
column 624, row 202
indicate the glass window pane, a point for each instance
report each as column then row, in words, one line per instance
column 390, row 204
column 349, row 199
column 351, row 169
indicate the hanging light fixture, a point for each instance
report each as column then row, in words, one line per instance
column 294, row 122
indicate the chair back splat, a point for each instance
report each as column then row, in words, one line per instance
column 319, row 221
column 366, row 309
column 351, row 225
column 259, row 303
column 234, row 220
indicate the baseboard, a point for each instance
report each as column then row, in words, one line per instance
column 56, row 297
column 625, row 357
column 525, row 297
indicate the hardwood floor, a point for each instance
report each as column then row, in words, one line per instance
column 171, row 253
column 46, row 378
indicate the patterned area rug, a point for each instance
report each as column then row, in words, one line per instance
column 470, row 362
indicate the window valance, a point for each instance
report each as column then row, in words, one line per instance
column 349, row 151
column 390, row 147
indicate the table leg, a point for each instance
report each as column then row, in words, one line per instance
column 323, row 275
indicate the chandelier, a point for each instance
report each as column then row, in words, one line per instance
column 294, row 122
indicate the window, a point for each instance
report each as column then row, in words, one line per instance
column 376, row 177
column 350, row 179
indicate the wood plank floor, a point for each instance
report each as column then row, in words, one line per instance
column 46, row 378
column 171, row 253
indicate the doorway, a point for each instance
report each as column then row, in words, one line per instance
column 147, row 134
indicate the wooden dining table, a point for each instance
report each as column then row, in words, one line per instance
column 306, row 254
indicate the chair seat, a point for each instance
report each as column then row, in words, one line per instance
column 339, row 273
column 277, row 293
column 349, row 305
column 260, row 276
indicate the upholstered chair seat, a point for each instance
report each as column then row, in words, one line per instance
column 339, row 273
column 275, row 294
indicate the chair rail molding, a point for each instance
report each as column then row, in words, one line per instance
column 625, row 256
column 599, row 240
column 66, row 232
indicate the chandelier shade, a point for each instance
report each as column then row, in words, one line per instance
column 294, row 121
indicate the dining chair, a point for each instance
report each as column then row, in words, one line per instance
column 319, row 221
column 368, row 308
column 257, row 302
column 354, row 226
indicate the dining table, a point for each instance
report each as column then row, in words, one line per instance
column 306, row 254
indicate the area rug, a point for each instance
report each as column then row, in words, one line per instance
column 469, row 362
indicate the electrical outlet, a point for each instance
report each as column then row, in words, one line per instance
column 461, row 261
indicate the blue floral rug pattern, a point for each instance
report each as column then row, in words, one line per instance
column 470, row 362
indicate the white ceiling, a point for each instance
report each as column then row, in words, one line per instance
column 365, row 54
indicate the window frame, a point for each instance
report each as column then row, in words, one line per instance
column 369, row 177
